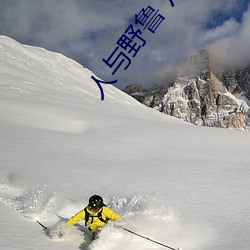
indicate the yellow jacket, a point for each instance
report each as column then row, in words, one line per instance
column 94, row 223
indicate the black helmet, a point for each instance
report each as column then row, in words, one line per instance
column 96, row 202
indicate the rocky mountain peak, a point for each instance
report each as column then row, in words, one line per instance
column 200, row 96
column 197, row 64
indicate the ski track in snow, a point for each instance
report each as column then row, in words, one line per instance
column 145, row 214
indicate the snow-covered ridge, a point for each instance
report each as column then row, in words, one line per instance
column 43, row 77
column 36, row 67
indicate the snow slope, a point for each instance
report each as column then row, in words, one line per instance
column 179, row 184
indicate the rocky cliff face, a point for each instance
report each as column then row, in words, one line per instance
column 201, row 97
column 237, row 81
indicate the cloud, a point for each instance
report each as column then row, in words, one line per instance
column 233, row 49
column 229, row 27
column 87, row 30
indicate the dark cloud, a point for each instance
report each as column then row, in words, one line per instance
column 87, row 31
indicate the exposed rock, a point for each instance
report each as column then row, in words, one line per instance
column 137, row 91
column 134, row 88
column 201, row 97
column 237, row 81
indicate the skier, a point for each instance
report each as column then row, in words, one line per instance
column 95, row 214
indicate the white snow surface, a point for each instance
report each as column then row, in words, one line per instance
column 182, row 185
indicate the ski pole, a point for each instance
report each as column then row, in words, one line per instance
column 146, row 238
column 45, row 228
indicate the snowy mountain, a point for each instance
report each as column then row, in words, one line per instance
column 201, row 96
column 237, row 81
column 182, row 185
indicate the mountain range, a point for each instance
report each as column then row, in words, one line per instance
column 202, row 94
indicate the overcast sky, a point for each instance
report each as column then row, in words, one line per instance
column 88, row 31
